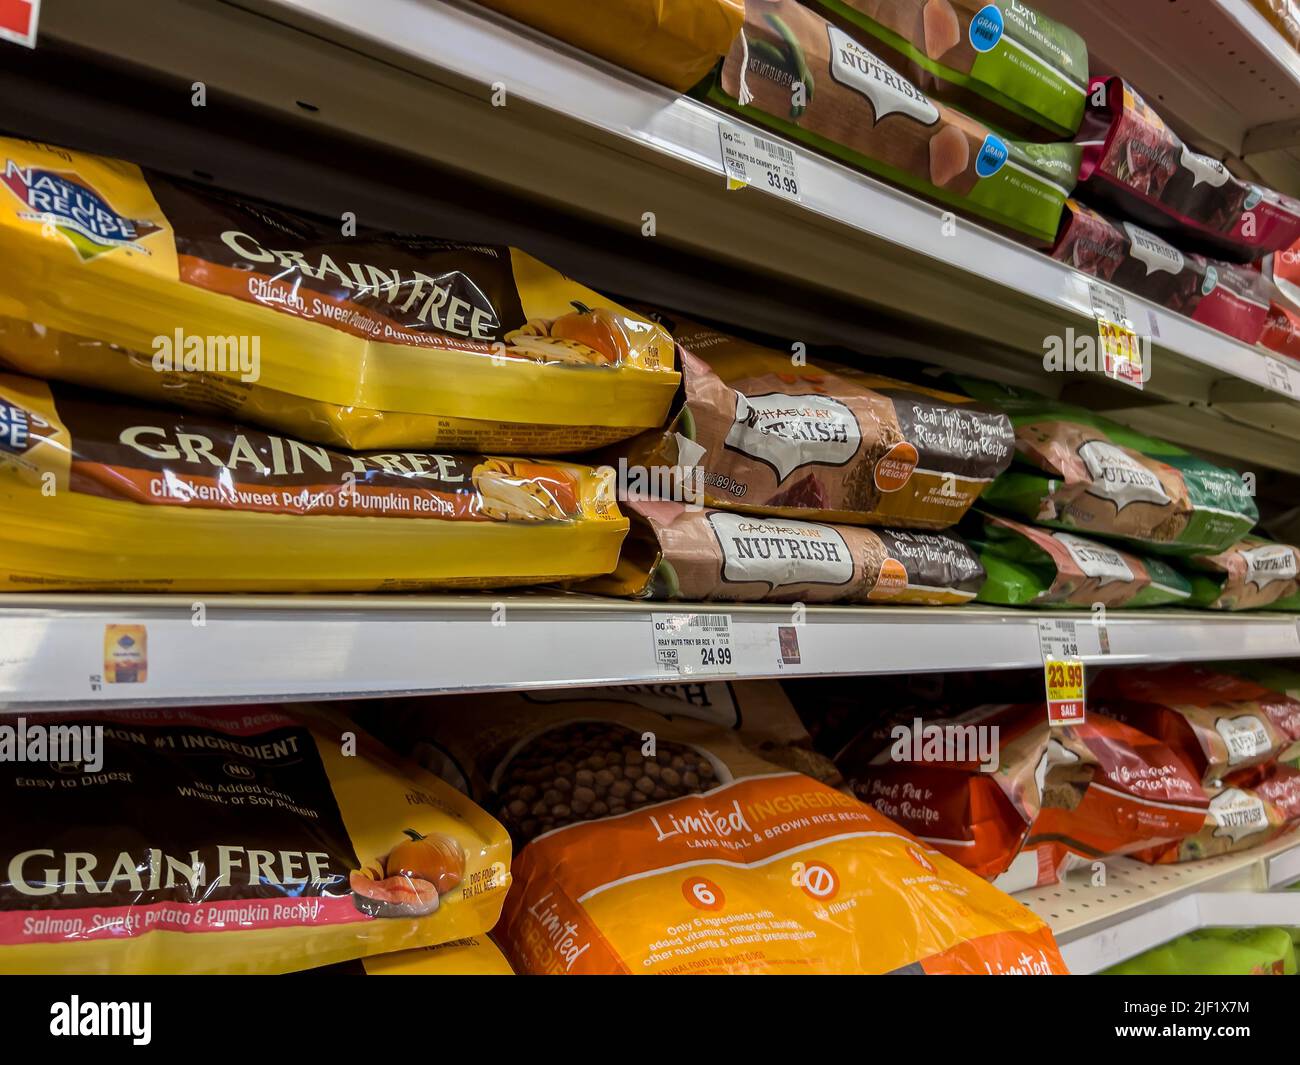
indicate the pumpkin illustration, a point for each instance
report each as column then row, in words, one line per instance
column 435, row 858
column 599, row 329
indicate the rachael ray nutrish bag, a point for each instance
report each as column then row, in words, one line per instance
column 98, row 494
column 1003, row 61
column 1080, row 472
column 653, row 846
column 234, row 840
column 822, row 442
column 114, row 277
column 1252, row 574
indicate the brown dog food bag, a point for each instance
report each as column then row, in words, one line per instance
column 824, row 442
column 683, row 553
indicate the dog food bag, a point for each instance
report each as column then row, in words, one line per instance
column 1141, row 796
column 1216, row 722
column 796, row 73
column 1247, row 810
column 1252, row 574
column 1002, row 61
column 823, row 443
column 1282, row 328
column 646, row 845
column 1216, row 952
column 99, row 494
column 1285, row 17
column 1133, row 161
column 235, row 840
column 972, row 784
column 675, row 42
column 677, row 552
column 1027, row 566
column 1232, row 299
column 757, row 711
column 117, row 278
column 1080, row 472
column 471, row 956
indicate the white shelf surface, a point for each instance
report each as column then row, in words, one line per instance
column 1143, row 906
column 607, row 145
column 285, row 648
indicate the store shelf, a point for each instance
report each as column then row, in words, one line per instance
column 285, row 648
column 581, row 136
column 1142, row 906
column 1249, row 108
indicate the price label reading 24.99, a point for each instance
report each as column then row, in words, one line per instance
column 693, row 643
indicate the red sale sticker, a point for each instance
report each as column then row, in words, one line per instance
column 18, row 21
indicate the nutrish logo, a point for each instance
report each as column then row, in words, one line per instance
column 74, row 210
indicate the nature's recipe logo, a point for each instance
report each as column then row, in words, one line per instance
column 75, row 210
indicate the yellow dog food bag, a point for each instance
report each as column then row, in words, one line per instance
column 675, row 42
column 118, row 278
column 99, row 494
column 471, row 956
column 235, row 840
column 653, row 845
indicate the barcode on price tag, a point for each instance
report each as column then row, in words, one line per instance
column 1063, row 673
column 751, row 159
column 1281, row 377
column 687, row 644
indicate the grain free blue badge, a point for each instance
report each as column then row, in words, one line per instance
column 986, row 28
column 1211, row 281
column 993, row 153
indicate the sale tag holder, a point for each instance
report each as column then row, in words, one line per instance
column 1120, row 346
column 690, row 644
column 1063, row 672
column 754, row 159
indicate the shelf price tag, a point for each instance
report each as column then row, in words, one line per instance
column 18, row 21
column 687, row 644
column 752, row 159
column 1062, row 671
column 1120, row 346
column 1281, row 377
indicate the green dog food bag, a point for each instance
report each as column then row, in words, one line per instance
column 1077, row 471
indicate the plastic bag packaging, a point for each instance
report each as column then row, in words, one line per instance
column 1141, row 796
column 1285, row 17
column 240, row 840
column 675, row 552
column 1003, row 62
column 653, row 846
column 1216, row 952
column 972, row 784
column 1036, row 567
column 1252, row 574
column 1216, row 722
column 675, row 42
column 116, row 278
column 99, row 494
column 1134, row 161
column 471, row 956
column 1080, row 472
column 1247, row 810
column 1232, row 299
column 857, row 109
column 822, row 442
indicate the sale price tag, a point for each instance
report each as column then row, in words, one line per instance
column 1120, row 346
column 18, row 20
column 752, row 159
column 1063, row 674
column 687, row 644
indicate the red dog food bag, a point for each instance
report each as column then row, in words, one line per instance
column 1217, row 723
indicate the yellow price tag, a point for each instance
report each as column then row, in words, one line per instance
column 1066, row 699
column 1121, row 352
